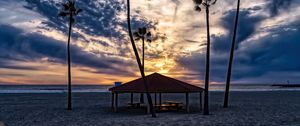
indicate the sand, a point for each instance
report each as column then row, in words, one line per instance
column 93, row 109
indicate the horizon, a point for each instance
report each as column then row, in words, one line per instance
column 33, row 42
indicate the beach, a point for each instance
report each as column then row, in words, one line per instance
column 93, row 109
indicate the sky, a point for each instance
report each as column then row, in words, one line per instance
column 33, row 41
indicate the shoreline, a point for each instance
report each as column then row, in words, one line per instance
column 79, row 92
column 104, row 88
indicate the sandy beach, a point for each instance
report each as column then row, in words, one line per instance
column 93, row 109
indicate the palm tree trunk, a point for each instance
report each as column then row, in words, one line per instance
column 206, row 99
column 225, row 105
column 138, row 61
column 143, row 49
column 69, row 67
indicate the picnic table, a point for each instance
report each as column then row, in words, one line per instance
column 170, row 106
column 165, row 106
column 136, row 105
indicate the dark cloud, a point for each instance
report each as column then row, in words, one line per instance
column 99, row 18
column 248, row 22
column 4, row 63
column 17, row 45
column 259, row 61
column 277, row 5
column 247, row 26
column 275, row 52
column 196, row 63
column 96, row 19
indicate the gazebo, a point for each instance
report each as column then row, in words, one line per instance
column 157, row 84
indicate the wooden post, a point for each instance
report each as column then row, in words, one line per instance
column 116, row 103
column 187, row 102
column 112, row 101
column 159, row 99
column 200, row 100
column 148, row 109
column 159, row 102
column 131, row 98
column 155, row 103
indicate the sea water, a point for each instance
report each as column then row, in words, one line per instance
column 104, row 88
column 52, row 88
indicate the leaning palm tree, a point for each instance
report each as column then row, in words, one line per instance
column 69, row 10
column 206, row 4
column 139, row 61
column 143, row 34
column 226, row 95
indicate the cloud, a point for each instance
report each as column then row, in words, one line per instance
column 256, row 58
column 17, row 45
column 247, row 27
column 99, row 18
column 4, row 63
column 274, row 52
column 275, row 6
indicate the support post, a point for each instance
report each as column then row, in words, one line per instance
column 155, row 99
column 131, row 98
column 112, row 101
column 148, row 108
column 116, row 103
column 159, row 99
column 187, row 102
column 200, row 102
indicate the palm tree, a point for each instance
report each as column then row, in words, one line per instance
column 69, row 10
column 206, row 4
column 225, row 105
column 139, row 61
column 143, row 34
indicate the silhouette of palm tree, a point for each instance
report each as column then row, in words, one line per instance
column 143, row 34
column 226, row 95
column 206, row 4
column 69, row 10
column 139, row 61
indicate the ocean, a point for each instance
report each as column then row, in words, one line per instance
column 104, row 88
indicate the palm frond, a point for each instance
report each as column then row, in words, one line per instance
column 69, row 9
column 140, row 31
column 137, row 38
column 66, row 6
column 197, row 8
column 205, row 4
column 78, row 11
column 198, row 2
column 214, row 2
column 148, row 34
column 136, row 34
column 144, row 31
column 72, row 3
column 63, row 14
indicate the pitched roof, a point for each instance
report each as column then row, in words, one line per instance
column 157, row 83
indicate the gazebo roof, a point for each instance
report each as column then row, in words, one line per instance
column 157, row 83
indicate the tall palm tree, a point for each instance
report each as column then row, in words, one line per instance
column 143, row 34
column 206, row 4
column 139, row 61
column 69, row 10
column 226, row 95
